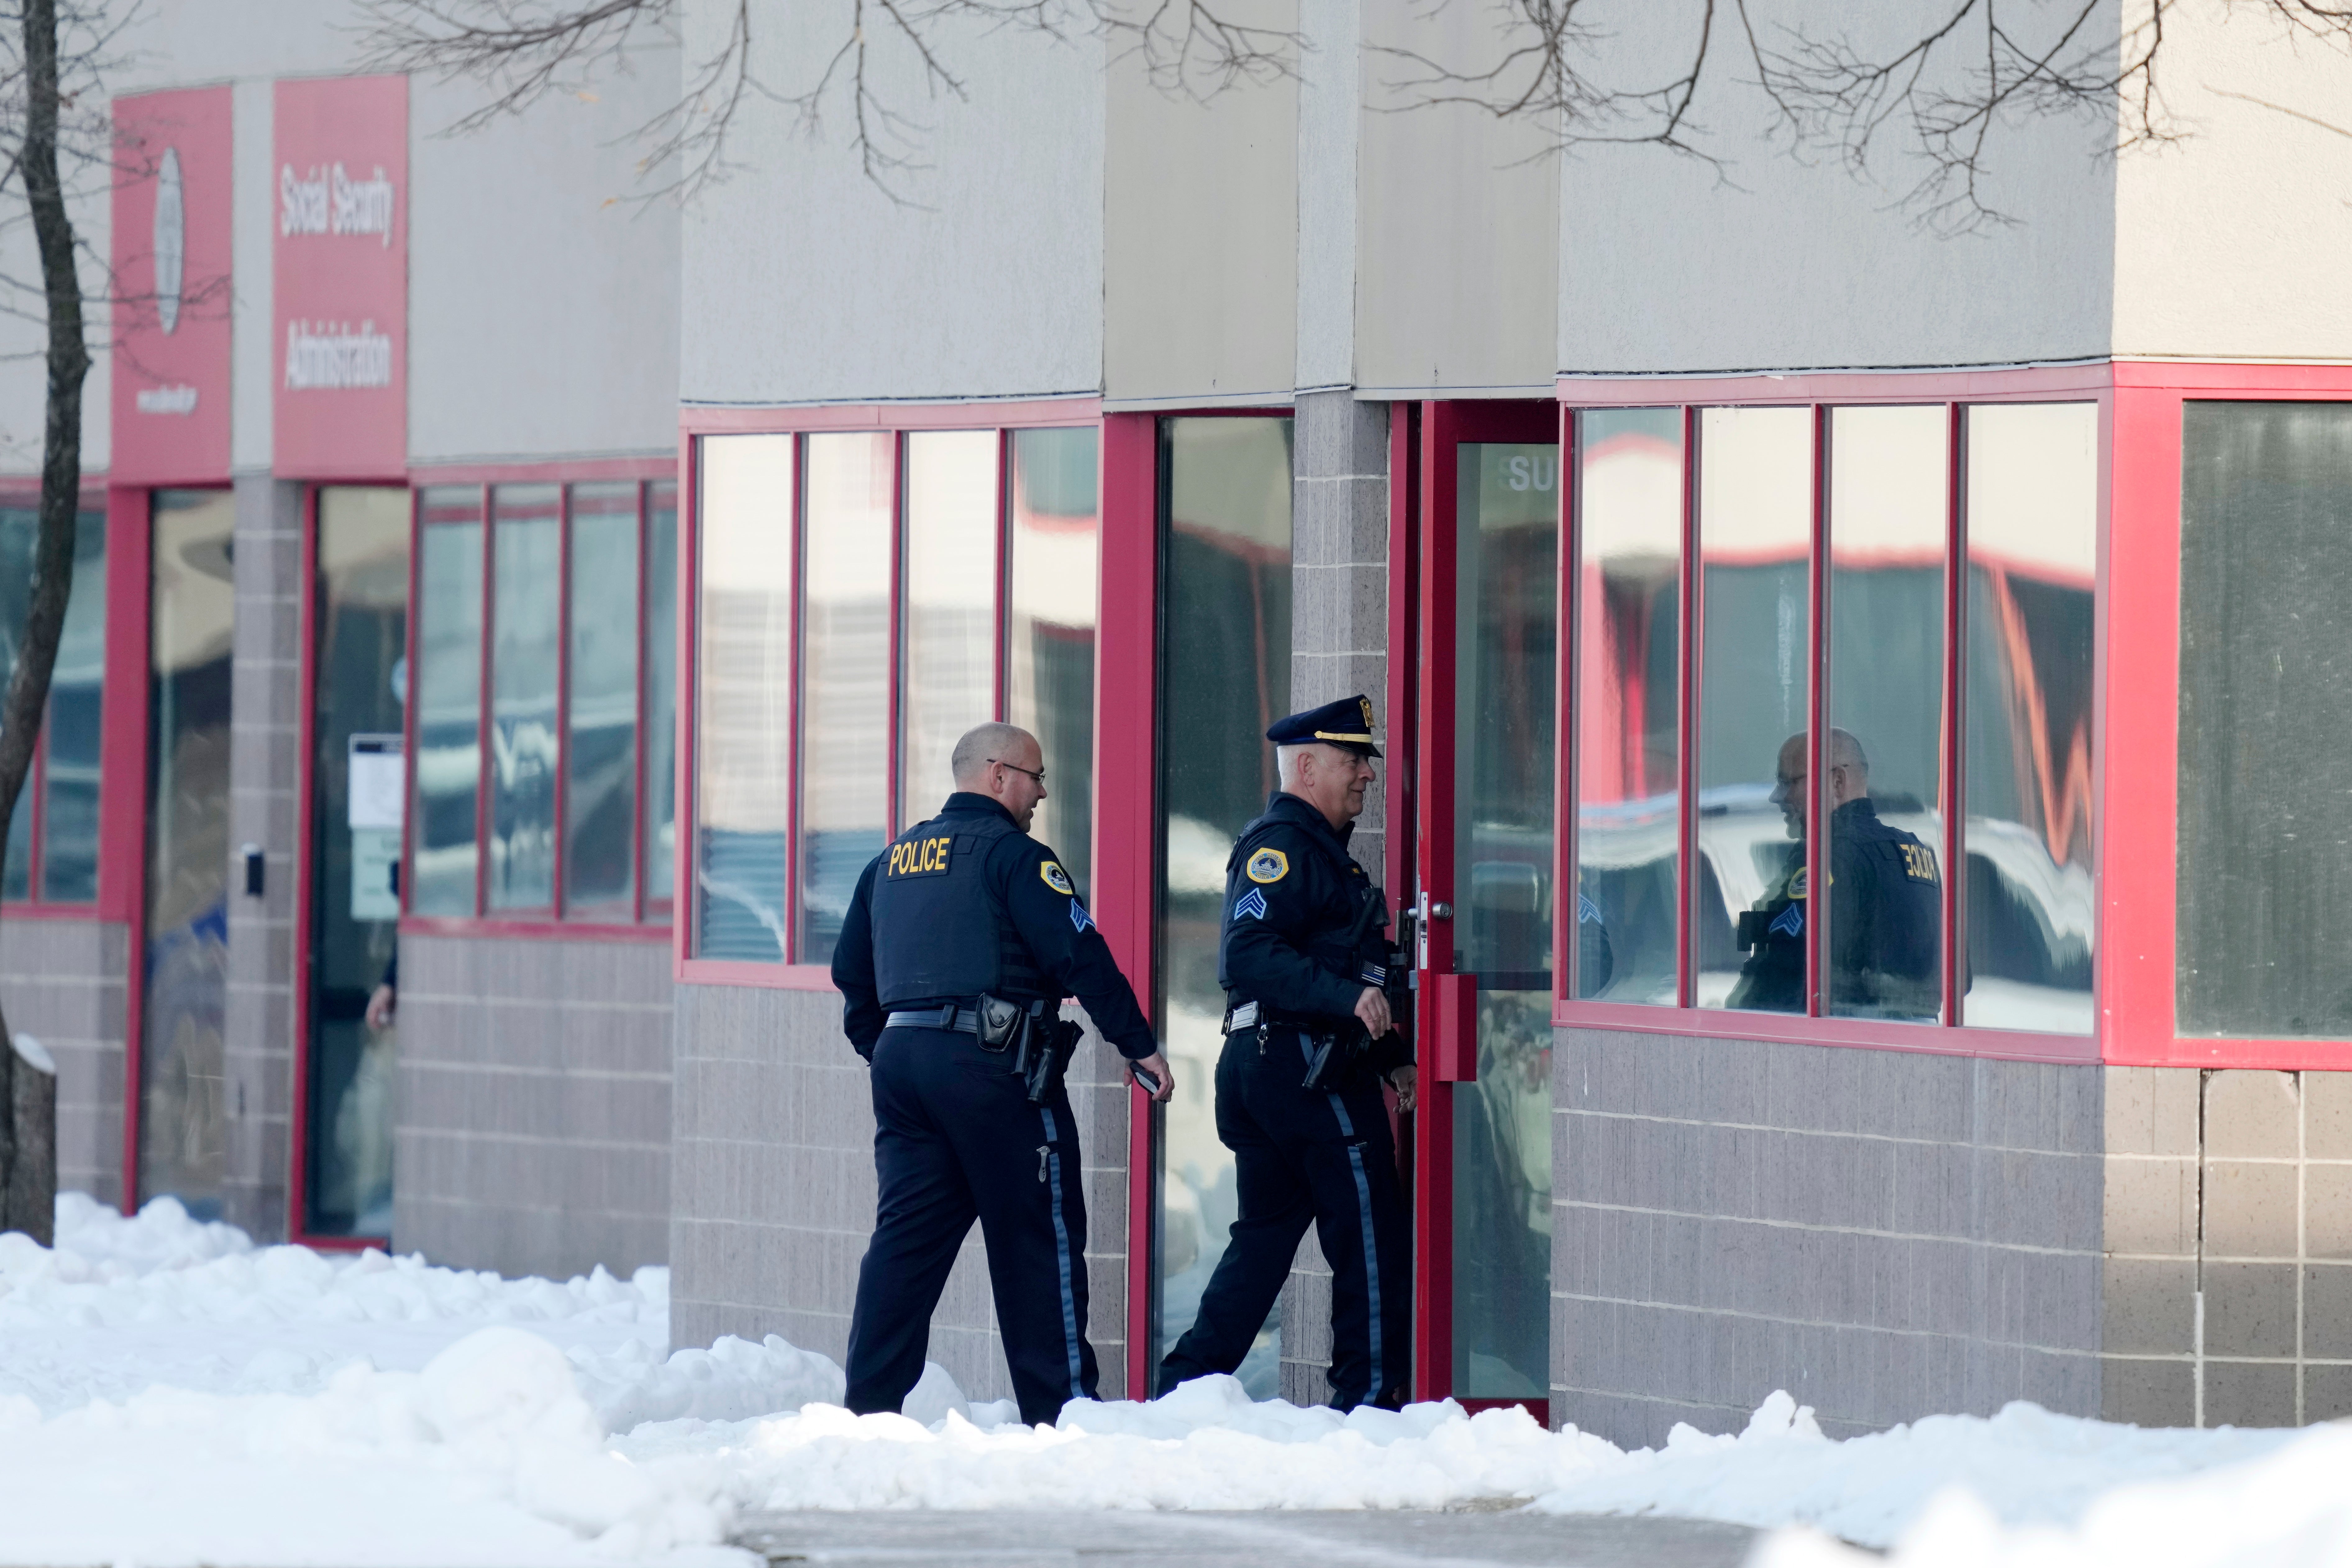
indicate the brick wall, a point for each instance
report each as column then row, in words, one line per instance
column 1882, row 1234
column 773, row 1158
column 62, row 982
column 264, row 764
column 1338, row 638
column 533, row 1134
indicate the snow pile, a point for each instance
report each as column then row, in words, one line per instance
column 2291, row 1510
column 2040, row 1468
column 488, row 1456
column 732, row 1381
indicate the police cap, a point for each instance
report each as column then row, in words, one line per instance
column 1347, row 724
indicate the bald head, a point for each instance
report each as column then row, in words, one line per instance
column 1004, row 763
column 1849, row 770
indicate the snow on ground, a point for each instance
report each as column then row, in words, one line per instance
column 170, row 1393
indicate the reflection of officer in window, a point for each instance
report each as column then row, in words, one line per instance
column 1886, row 902
column 964, row 906
column 1301, row 962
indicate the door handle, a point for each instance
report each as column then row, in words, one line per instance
column 1454, row 1054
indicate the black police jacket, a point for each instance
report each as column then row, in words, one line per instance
column 966, row 903
column 1292, row 896
column 1886, row 925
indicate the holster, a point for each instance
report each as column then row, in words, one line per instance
column 1048, row 1042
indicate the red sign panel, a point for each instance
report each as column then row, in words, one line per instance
column 340, row 255
column 170, row 408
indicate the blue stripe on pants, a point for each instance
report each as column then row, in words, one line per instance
column 1062, row 1257
column 1371, row 1250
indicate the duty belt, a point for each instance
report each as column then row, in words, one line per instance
column 1242, row 1017
column 954, row 1016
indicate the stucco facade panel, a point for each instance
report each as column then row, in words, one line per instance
column 982, row 276
column 1777, row 262
column 1201, row 202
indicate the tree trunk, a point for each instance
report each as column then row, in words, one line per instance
column 32, row 1198
column 28, row 693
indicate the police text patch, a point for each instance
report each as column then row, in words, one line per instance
column 1267, row 866
column 1918, row 862
column 920, row 857
column 1055, row 878
column 1250, row 903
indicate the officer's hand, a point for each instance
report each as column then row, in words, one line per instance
column 1402, row 1080
column 1156, row 1064
column 1372, row 1008
column 381, row 1004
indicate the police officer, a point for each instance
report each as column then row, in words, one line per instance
column 1292, row 982
column 960, row 908
column 1887, row 910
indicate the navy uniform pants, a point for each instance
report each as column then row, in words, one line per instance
column 1304, row 1156
column 956, row 1138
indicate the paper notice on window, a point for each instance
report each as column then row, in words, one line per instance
column 376, row 782
column 375, row 855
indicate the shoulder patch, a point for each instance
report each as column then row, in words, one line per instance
column 1250, row 903
column 1055, row 878
column 1079, row 918
column 1267, row 866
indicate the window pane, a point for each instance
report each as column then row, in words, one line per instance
column 1224, row 675
column 71, row 748
column 527, row 573
column 1629, row 686
column 845, row 679
column 1889, row 496
column 949, row 659
column 743, row 729
column 1050, row 632
column 182, row 1068
column 1506, row 572
column 1755, row 541
column 2033, row 559
column 19, row 527
column 448, row 702
column 600, row 794
column 661, row 696
column 2264, row 930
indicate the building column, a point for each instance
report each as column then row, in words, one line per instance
column 1339, row 640
column 265, row 771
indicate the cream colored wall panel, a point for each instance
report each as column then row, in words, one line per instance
column 1331, row 114
column 805, row 281
column 2232, row 244
column 1457, row 283
column 1200, row 235
column 1782, row 262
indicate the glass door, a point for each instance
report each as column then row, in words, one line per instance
column 359, row 681
column 182, row 1069
column 1484, row 826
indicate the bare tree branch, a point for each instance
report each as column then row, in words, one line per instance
column 525, row 50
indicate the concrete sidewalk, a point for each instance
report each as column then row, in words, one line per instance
column 1149, row 1540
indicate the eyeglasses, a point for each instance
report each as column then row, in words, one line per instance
column 1037, row 774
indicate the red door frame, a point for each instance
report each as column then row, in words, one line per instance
column 1445, row 1004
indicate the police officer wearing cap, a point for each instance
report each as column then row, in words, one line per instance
column 1297, row 963
column 958, row 917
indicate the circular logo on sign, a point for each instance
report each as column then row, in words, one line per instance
column 1269, row 866
column 171, row 239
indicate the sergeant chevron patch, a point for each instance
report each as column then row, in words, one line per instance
column 1250, row 903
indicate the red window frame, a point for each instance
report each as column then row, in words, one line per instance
column 898, row 422
column 2136, row 702
column 35, row 798
column 1952, row 392
column 651, row 912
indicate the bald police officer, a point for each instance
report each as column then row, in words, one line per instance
column 1886, row 902
column 1300, row 979
column 959, row 915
